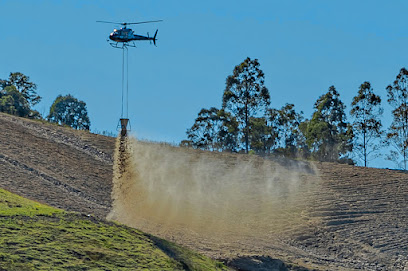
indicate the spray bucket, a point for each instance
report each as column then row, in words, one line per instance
column 123, row 126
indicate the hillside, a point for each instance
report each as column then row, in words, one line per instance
column 37, row 237
column 352, row 218
column 58, row 166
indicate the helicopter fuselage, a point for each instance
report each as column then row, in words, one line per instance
column 127, row 34
column 125, row 37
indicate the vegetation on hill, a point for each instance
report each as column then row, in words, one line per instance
column 398, row 131
column 367, row 127
column 67, row 110
column 247, row 123
column 18, row 95
column 328, row 135
column 38, row 237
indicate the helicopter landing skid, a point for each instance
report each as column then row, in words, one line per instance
column 122, row 45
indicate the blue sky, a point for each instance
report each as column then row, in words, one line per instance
column 303, row 47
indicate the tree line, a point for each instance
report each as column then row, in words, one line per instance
column 246, row 122
column 18, row 96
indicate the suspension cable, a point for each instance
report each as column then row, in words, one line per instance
column 123, row 76
column 127, row 82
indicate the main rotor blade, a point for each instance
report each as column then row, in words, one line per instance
column 108, row 22
column 146, row 22
column 129, row 23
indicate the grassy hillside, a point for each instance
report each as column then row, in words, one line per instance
column 34, row 236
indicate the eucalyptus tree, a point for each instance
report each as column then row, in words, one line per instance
column 327, row 134
column 245, row 95
column 67, row 110
column 13, row 102
column 17, row 96
column 285, row 123
column 23, row 84
column 366, row 112
column 213, row 130
column 397, row 135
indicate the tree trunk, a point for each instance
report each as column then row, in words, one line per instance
column 246, row 129
column 365, row 148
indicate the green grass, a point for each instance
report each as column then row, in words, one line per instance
column 11, row 204
column 37, row 237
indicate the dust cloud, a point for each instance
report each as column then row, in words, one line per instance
column 160, row 189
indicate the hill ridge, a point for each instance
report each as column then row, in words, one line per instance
column 58, row 134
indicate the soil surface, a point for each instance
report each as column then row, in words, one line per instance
column 61, row 167
column 354, row 218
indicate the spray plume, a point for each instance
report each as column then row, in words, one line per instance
column 167, row 191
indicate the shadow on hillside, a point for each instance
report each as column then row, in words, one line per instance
column 260, row 263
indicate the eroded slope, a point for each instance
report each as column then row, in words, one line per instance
column 58, row 166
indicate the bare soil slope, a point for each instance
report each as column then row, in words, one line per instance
column 362, row 219
column 56, row 165
column 355, row 218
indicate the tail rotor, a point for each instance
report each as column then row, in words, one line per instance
column 154, row 38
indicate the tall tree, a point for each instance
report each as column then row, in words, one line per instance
column 285, row 124
column 23, row 84
column 245, row 95
column 398, row 131
column 328, row 135
column 214, row 130
column 67, row 110
column 366, row 111
column 13, row 102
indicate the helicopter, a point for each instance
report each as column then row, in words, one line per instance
column 126, row 36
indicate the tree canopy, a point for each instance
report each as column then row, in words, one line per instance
column 247, row 122
column 67, row 110
column 214, row 130
column 398, row 131
column 262, row 137
column 18, row 95
column 366, row 112
column 23, row 84
column 245, row 95
column 284, row 124
column 13, row 102
column 328, row 135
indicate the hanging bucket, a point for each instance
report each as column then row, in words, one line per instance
column 123, row 126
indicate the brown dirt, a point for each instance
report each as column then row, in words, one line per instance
column 55, row 165
column 354, row 218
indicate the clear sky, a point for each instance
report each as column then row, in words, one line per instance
column 303, row 47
